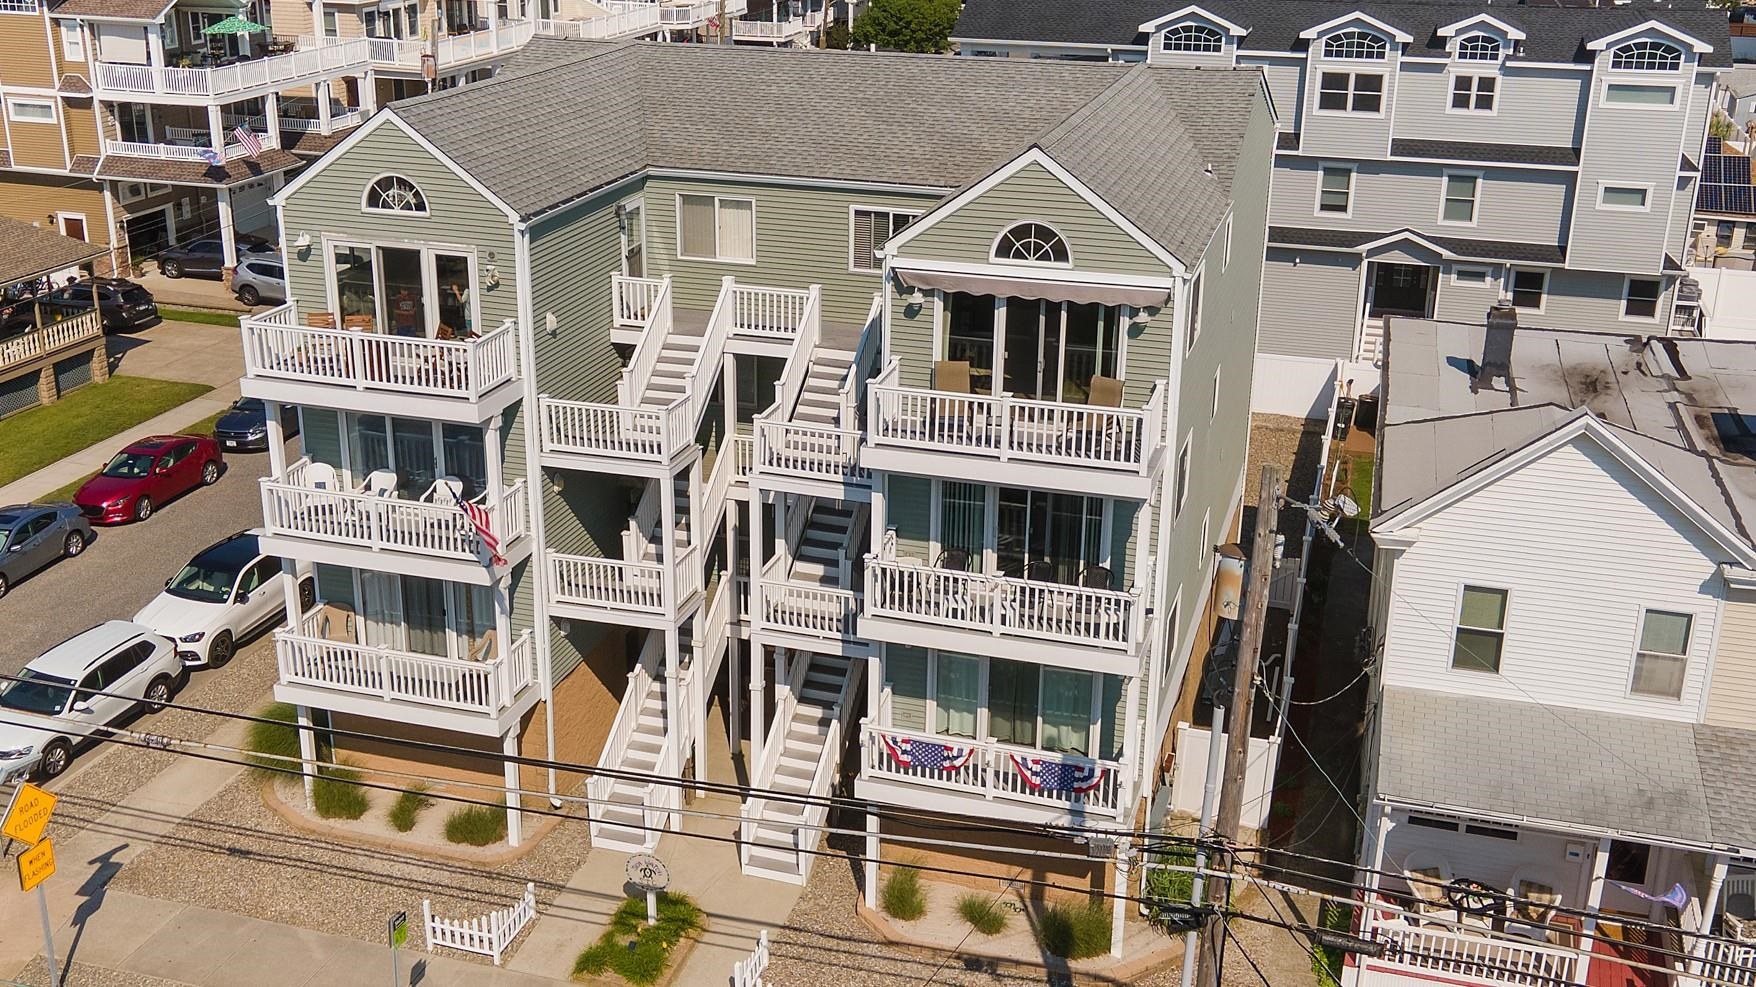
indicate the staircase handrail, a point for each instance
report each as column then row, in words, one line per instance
column 707, row 357
column 798, row 518
column 858, row 539
column 798, row 366
column 644, row 360
column 638, row 534
column 863, row 365
column 621, row 729
column 810, row 831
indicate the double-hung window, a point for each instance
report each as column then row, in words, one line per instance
column 871, row 228
column 1528, row 287
column 1335, row 190
column 1350, row 92
column 1663, row 656
column 1462, row 190
column 1474, row 93
column 712, row 227
column 1480, row 637
column 1640, row 298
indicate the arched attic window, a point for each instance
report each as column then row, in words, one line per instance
column 1478, row 48
column 1646, row 56
column 1032, row 243
column 1355, row 44
column 394, row 193
column 1194, row 39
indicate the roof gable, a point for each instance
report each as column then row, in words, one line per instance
column 387, row 118
column 1694, row 44
column 1359, row 16
column 1193, row 10
column 1480, row 20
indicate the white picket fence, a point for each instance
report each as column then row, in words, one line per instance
column 748, row 971
column 488, row 935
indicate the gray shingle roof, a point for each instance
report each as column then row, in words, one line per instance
column 1610, row 771
column 568, row 117
column 1555, row 34
column 1306, row 236
column 27, row 251
column 1567, row 157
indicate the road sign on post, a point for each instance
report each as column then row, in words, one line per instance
column 36, row 865
column 27, row 816
column 399, row 936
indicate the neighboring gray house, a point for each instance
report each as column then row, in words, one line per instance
column 1434, row 157
column 921, row 441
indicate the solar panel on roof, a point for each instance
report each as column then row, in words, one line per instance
column 1729, row 169
column 1715, row 145
column 1723, row 198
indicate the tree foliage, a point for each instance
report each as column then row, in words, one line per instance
column 907, row 25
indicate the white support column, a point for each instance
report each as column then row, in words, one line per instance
column 514, row 814
column 324, row 118
column 1119, row 904
column 307, row 755
column 702, row 690
column 271, row 117
column 317, row 22
column 758, row 672
column 1594, row 900
column 228, row 235
column 872, row 848
column 155, row 45
column 369, row 93
column 216, row 131
column 734, row 728
column 277, row 440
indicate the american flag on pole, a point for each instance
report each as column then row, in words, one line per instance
column 251, row 143
column 927, row 755
column 480, row 520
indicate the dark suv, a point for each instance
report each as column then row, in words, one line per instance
column 206, row 258
column 124, row 304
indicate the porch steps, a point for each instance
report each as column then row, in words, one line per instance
column 819, row 402
column 679, row 530
column 621, row 824
column 668, row 381
column 829, row 537
column 775, row 836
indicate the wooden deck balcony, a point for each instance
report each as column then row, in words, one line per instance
column 981, row 776
column 186, row 150
column 624, row 20
column 54, row 339
column 618, row 591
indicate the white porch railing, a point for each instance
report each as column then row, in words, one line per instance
column 655, row 327
column 197, row 151
column 997, row 771
column 697, row 14
column 1479, row 958
column 305, row 125
column 47, row 339
column 611, row 583
column 505, row 38
column 743, row 456
column 292, row 68
column 636, row 300
column 625, row 20
column 405, row 677
column 1726, row 962
column 640, row 686
column 489, row 935
column 770, row 30
column 772, row 312
column 276, row 347
column 814, row 452
column 910, row 590
column 1009, row 428
column 803, row 608
column 292, row 506
column 615, row 431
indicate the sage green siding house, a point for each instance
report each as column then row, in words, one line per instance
column 912, row 447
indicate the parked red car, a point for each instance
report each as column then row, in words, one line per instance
column 147, row 474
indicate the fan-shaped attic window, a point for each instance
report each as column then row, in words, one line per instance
column 1194, row 39
column 394, row 193
column 1032, row 243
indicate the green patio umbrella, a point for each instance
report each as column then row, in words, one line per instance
column 236, row 24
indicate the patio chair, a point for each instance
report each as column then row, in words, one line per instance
column 360, row 323
column 955, row 559
column 1039, row 571
column 1096, row 577
column 1427, row 873
column 1091, row 435
column 320, row 320
column 1106, row 392
column 335, row 622
column 321, row 476
column 381, row 483
column 446, row 491
column 484, row 650
column 952, row 377
column 1534, row 903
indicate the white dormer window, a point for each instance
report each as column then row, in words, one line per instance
column 1194, row 39
column 1032, row 243
column 1356, row 44
column 1646, row 56
column 394, row 193
column 1479, row 48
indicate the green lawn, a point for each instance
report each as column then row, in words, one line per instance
column 191, row 315
column 33, row 439
column 202, row 427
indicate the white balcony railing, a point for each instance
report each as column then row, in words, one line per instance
column 1474, row 958
column 771, row 312
column 405, row 677
column 615, row 431
column 624, row 20
column 998, row 771
column 198, row 150
column 1009, row 428
column 276, row 347
column 339, row 120
column 813, row 452
column 635, row 300
column 47, row 339
column 696, row 14
column 1722, row 962
column 910, row 590
column 292, row 68
column 803, row 608
column 294, row 505
column 771, row 30
column 610, row 583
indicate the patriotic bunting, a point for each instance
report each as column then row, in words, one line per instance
column 929, row 756
column 1058, row 776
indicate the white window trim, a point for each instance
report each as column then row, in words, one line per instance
column 1657, row 304
column 365, row 193
column 1475, row 210
column 1197, row 308
column 717, row 199
column 1343, row 67
column 1643, row 81
column 1451, row 92
column 985, row 704
column 912, row 214
column 429, row 303
column 1317, row 203
column 1204, row 550
column 1322, row 46
column 61, row 219
column 1457, row 624
column 1634, row 653
column 72, row 41
column 12, row 103
column 1455, row 45
column 1180, row 482
column 1487, row 274
column 1226, row 255
column 1644, row 187
column 994, row 248
column 1512, row 281
column 1683, row 61
column 1213, row 413
column 1164, row 36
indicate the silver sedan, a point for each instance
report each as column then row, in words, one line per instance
column 34, row 535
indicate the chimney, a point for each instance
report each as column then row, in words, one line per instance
column 1497, row 348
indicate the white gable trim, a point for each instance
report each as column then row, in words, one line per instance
column 1699, row 46
column 1404, row 236
column 1235, row 30
column 1327, row 26
column 1511, row 33
column 1036, row 156
column 387, row 117
column 1586, row 424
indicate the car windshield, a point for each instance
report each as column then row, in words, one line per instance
column 253, row 405
column 7, row 523
column 206, row 583
column 35, row 692
column 136, row 296
column 129, row 465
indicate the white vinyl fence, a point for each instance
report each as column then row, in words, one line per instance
column 748, row 971
column 488, row 935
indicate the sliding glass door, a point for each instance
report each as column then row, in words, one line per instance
column 1048, row 536
column 407, row 291
column 418, row 452
column 1049, row 351
column 426, row 616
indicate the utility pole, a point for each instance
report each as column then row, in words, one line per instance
column 1231, row 793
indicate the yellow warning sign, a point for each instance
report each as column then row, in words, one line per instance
column 27, row 818
column 36, row 865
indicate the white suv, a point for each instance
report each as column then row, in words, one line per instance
column 53, row 706
column 227, row 592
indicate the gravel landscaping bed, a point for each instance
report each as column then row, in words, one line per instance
column 81, row 975
column 236, row 854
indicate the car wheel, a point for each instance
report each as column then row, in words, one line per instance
column 249, row 295
column 307, row 596
column 209, row 473
column 220, row 651
column 158, row 693
column 171, row 269
column 56, row 757
column 143, row 508
column 74, row 544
